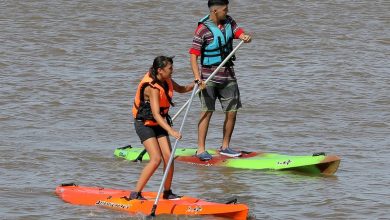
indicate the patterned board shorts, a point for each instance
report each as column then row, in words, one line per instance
column 228, row 95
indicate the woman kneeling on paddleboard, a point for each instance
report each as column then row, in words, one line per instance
column 152, row 122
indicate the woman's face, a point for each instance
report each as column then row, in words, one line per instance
column 166, row 72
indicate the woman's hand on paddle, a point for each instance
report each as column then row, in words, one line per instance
column 175, row 134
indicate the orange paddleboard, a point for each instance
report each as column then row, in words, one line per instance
column 115, row 199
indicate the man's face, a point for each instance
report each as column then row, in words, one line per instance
column 221, row 11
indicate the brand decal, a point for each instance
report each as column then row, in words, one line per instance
column 206, row 164
column 287, row 162
column 111, row 204
column 195, row 209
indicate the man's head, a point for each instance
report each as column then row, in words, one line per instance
column 219, row 8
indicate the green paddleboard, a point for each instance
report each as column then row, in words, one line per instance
column 318, row 163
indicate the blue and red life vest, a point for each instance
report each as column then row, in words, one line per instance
column 221, row 46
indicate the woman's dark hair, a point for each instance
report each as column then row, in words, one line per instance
column 161, row 62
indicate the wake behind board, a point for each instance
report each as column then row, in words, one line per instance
column 116, row 199
column 318, row 163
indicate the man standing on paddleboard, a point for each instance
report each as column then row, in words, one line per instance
column 152, row 122
column 213, row 42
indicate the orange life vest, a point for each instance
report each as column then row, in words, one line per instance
column 164, row 101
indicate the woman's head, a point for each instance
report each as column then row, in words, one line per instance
column 160, row 71
column 163, row 66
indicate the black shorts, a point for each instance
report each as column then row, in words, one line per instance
column 146, row 132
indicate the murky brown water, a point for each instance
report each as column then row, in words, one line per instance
column 315, row 78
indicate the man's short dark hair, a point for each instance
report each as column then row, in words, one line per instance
column 217, row 2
